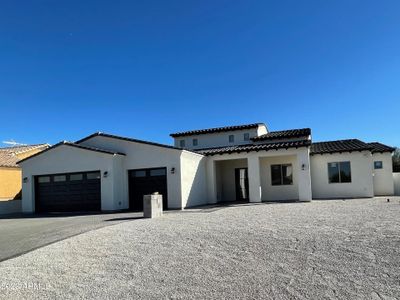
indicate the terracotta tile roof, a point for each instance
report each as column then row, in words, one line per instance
column 9, row 155
column 276, row 135
column 216, row 129
column 254, row 147
column 378, row 147
column 95, row 149
column 339, row 146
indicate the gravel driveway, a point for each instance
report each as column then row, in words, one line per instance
column 323, row 249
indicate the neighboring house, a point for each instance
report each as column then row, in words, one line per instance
column 236, row 163
column 10, row 172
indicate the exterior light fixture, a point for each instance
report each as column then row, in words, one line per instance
column 25, row 180
column 172, row 170
column 303, row 167
column 105, row 174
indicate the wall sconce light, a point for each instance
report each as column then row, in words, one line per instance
column 303, row 167
column 25, row 180
column 105, row 174
column 172, row 170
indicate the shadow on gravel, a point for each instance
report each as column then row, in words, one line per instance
column 231, row 204
column 56, row 215
column 341, row 199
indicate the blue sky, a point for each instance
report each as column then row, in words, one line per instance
column 145, row 69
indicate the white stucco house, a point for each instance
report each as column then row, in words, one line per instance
column 104, row 172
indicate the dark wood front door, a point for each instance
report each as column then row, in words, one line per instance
column 242, row 184
column 145, row 182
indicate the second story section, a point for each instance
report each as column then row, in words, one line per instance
column 219, row 136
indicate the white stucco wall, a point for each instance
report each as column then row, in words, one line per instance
column 271, row 192
column 396, row 179
column 120, row 189
column 139, row 156
column 67, row 159
column 361, row 184
column 383, row 178
column 193, row 179
column 218, row 139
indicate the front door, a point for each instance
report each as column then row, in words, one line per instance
column 242, row 184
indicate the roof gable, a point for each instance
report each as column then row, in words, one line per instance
column 65, row 143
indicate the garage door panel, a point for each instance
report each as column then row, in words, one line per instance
column 68, row 192
column 144, row 182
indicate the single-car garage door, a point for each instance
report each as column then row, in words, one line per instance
column 68, row 192
column 145, row 182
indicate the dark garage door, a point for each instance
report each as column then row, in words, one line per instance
column 68, row 192
column 145, row 182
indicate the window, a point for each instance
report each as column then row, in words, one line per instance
column 139, row 173
column 75, row 177
column 282, row 174
column 60, row 178
column 339, row 172
column 157, row 172
column 44, row 179
column 195, row 142
column 182, row 143
column 378, row 164
column 246, row 136
column 93, row 175
column 231, row 138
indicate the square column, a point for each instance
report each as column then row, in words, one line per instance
column 304, row 175
column 211, row 181
column 253, row 164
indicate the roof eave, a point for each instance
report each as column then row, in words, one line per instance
column 286, row 147
column 340, row 151
column 9, row 167
column 65, row 143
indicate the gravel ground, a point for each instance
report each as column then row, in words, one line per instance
column 323, row 249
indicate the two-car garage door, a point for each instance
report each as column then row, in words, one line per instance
column 68, row 192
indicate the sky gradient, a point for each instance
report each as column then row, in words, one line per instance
column 144, row 69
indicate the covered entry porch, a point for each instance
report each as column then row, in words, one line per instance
column 256, row 176
column 232, row 180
